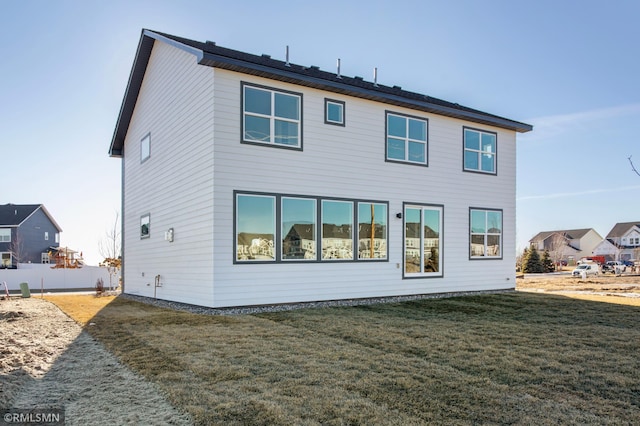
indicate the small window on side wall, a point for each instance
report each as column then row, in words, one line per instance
column 333, row 112
column 145, row 223
column 145, row 148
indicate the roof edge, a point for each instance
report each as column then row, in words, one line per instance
column 143, row 53
column 219, row 61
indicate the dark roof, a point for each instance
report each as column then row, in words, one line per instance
column 571, row 234
column 620, row 229
column 210, row 54
column 13, row 215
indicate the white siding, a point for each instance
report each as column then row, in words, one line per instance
column 350, row 162
column 182, row 103
column 175, row 185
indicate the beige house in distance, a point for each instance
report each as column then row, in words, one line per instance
column 567, row 244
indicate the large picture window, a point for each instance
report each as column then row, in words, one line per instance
column 372, row 231
column 423, row 240
column 485, row 233
column 407, row 139
column 310, row 229
column 480, row 151
column 271, row 116
column 298, row 228
column 255, row 227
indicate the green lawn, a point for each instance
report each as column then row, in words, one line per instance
column 514, row 358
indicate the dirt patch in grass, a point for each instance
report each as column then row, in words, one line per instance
column 512, row 358
column 47, row 361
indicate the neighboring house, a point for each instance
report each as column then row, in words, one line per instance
column 249, row 180
column 621, row 243
column 567, row 244
column 27, row 232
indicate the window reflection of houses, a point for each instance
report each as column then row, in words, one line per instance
column 492, row 243
column 255, row 246
column 379, row 241
column 300, row 242
column 337, row 241
column 412, row 249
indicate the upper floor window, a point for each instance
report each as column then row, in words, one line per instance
column 46, row 236
column 5, row 235
column 334, row 112
column 485, row 233
column 407, row 139
column 480, row 151
column 271, row 116
column 145, row 148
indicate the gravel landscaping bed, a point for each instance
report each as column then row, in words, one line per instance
column 248, row 310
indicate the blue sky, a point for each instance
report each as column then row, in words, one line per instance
column 568, row 68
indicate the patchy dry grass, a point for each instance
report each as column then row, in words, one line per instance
column 623, row 289
column 80, row 308
column 518, row 358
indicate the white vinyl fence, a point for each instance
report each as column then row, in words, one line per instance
column 44, row 277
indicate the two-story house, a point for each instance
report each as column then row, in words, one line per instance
column 27, row 232
column 567, row 244
column 249, row 180
column 622, row 242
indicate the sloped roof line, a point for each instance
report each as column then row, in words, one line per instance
column 620, row 229
column 14, row 215
column 572, row 234
column 209, row 54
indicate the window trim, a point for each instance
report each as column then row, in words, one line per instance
column 245, row 84
column 386, row 139
column 146, row 138
column 487, row 209
column 328, row 101
column 2, row 240
column 278, row 229
column 148, row 235
column 10, row 264
column 422, row 275
column 495, row 154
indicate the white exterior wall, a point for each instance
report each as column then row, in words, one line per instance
column 349, row 162
column 175, row 185
column 179, row 105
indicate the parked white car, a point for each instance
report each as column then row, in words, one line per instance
column 589, row 268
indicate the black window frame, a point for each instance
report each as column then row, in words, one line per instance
column 243, row 85
column 386, row 139
column 278, row 231
column 464, row 150
column 328, row 101
column 469, row 233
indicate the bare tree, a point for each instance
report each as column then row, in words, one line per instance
column 556, row 244
column 17, row 248
column 633, row 167
column 109, row 249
